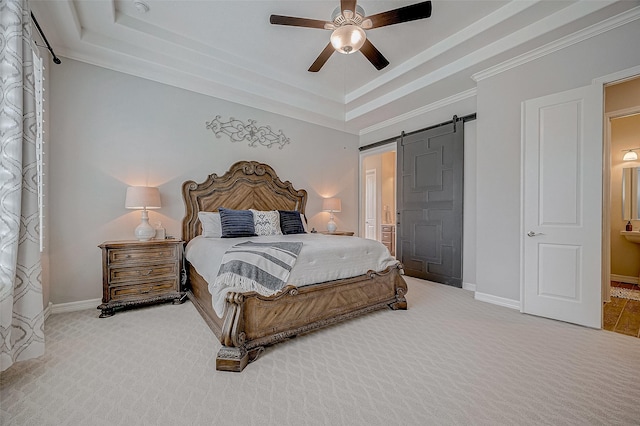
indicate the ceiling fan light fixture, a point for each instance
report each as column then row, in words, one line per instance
column 348, row 38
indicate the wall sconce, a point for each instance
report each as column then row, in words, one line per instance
column 331, row 205
column 143, row 197
column 630, row 154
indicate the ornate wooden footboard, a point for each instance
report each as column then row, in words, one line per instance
column 252, row 321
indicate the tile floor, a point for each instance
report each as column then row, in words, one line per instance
column 623, row 315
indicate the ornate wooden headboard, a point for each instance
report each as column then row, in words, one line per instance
column 247, row 185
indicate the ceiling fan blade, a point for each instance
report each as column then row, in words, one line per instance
column 403, row 14
column 348, row 5
column 373, row 55
column 320, row 60
column 298, row 22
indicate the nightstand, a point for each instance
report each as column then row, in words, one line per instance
column 345, row 233
column 136, row 273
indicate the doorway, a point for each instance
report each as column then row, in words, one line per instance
column 378, row 200
column 621, row 289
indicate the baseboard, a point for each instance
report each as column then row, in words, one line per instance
column 468, row 286
column 47, row 311
column 75, row 306
column 500, row 301
column 624, row 279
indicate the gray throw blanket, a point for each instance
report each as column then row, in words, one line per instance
column 260, row 267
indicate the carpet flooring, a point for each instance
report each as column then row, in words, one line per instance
column 447, row 360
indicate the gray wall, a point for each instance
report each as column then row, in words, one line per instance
column 491, row 258
column 111, row 130
column 498, row 172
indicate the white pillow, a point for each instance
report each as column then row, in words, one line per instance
column 211, row 227
column 266, row 222
column 303, row 218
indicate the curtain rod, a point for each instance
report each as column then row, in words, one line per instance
column 455, row 119
column 56, row 60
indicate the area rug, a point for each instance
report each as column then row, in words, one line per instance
column 626, row 293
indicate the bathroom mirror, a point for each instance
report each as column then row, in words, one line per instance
column 631, row 193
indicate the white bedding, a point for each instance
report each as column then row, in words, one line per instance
column 322, row 258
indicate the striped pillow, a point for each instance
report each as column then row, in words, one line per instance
column 291, row 222
column 236, row 223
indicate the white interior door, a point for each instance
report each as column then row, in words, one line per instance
column 562, row 206
column 371, row 218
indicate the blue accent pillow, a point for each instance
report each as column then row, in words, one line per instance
column 291, row 222
column 236, row 223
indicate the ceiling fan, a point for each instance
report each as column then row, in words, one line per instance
column 348, row 23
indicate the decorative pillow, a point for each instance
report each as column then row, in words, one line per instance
column 291, row 222
column 266, row 222
column 211, row 227
column 236, row 223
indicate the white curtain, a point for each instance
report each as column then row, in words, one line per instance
column 21, row 304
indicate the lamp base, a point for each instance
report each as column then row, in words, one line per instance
column 331, row 226
column 144, row 231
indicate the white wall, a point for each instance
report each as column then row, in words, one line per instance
column 498, row 146
column 110, row 130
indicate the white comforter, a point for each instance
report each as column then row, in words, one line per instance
column 322, row 258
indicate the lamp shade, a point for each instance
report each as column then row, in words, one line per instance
column 142, row 197
column 331, row 205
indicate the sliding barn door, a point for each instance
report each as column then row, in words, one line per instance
column 430, row 181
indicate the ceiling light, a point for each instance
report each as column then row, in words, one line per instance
column 348, row 38
column 630, row 154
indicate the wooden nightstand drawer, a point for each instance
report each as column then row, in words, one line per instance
column 126, row 274
column 387, row 228
column 386, row 237
column 136, row 273
column 141, row 291
column 128, row 255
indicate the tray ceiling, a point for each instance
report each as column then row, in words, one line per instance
column 228, row 49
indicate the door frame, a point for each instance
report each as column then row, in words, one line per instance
column 617, row 77
column 606, row 237
column 367, row 195
column 388, row 147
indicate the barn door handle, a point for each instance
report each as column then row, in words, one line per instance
column 534, row 234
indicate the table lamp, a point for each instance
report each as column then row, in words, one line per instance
column 331, row 205
column 143, row 197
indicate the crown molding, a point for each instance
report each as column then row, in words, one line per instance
column 618, row 77
column 592, row 31
column 137, row 67
column 558, row 19
column 497, row 17
column 419, row 111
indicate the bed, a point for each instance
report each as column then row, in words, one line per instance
column 250, row 321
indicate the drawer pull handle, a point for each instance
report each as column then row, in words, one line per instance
column 147, row 273
column 128, row 256
column 148, row 291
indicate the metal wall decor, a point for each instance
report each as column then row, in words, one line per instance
column 238, row 131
